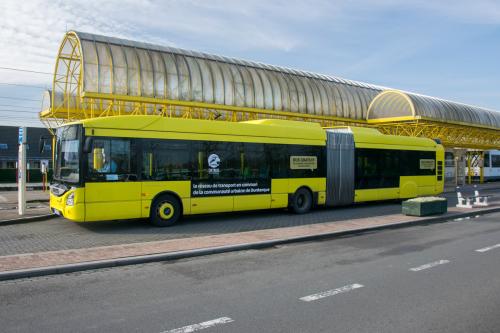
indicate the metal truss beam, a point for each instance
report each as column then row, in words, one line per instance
column 102, row 105
column 451, row 135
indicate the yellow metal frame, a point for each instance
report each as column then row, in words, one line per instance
column 391, row 91
column 475, row 159
column 451, row 134
column 67, row 82
column 79, row 104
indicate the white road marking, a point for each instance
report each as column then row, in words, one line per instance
column 484, row 249
column 429, row 265
column 332, row 292
column 201, row 326
column 3, row 199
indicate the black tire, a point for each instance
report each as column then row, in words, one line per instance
column 166, row 210
column 302, row 201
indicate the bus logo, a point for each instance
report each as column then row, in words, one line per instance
column 213, row 161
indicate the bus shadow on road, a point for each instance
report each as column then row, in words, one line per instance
column 212, row 224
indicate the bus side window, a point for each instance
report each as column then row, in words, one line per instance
column 410, row 162
column 279, row 160
column 381, row 168
column 230, row 166
column 314, row 156
column 367, row 173
column 166, row 160
column 199, row 160
column 254, row 162
column 112, row 160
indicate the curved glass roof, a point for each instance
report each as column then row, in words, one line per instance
column 395, row 103
column 123, row 67
column 108, row 65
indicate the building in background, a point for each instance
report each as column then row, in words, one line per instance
column 9, row 153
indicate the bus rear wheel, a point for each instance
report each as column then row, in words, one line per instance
column 301, row 201
column 165, row 211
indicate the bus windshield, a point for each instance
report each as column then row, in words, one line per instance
column 67, row 166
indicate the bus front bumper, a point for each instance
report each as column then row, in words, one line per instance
column 61, row 205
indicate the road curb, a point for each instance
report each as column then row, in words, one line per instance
column 28, row 219
column 92, row 265
column 37, row 200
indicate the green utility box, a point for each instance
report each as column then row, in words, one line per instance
column 425, row 206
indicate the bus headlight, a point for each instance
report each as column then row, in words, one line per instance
column 70, row 201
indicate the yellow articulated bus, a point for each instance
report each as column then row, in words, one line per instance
column 127, row 167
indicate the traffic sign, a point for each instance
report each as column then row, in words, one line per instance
column 22, row 135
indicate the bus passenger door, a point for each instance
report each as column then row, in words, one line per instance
column 111, row 188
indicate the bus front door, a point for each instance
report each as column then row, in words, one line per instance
column 112, row 189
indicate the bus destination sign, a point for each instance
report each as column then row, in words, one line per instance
column 303, row 162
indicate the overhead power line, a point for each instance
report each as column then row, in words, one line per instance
column 20, row 118
column 25, row 70
column 23, row 85
column 6, row 115
column 21, row 99
column 19, row 106
column 20, row 111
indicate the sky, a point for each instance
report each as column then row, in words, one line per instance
column 443, row 48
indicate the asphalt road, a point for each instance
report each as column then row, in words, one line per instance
column 429, row 278
column 61, row 234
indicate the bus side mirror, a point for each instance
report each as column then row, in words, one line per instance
column 87, row 146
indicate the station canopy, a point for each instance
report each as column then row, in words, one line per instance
column 395, row 104
column 102, row 76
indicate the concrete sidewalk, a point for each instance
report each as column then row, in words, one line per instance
column 33, row 214
column 29, row 186
column 37, row 207
column 10, row 197
column 470, row 188
column 63, row 261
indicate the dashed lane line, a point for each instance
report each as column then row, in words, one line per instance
column 201, row 326
column 429, row 265
column 332, row 292
column 485, row 249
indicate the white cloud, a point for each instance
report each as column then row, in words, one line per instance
column 30, row 31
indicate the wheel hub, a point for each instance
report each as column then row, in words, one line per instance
column 166, row 210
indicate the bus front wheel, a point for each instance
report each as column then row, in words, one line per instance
column 165, row 211
column 301, row 201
